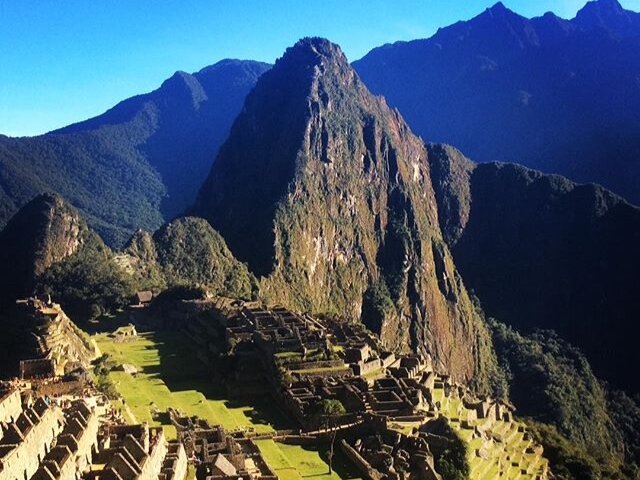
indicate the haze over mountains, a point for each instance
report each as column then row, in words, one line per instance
column 562, row 96
column 138, row 164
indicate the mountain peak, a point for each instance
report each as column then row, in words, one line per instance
column 598, row 8
column 498, row 7
column 44, row 231
column 499, row 10
column 317, row 189
column 310, row 52
column 605, row 5
column 319, row 46
column 608, row 15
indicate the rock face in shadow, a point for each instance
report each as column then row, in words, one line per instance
column 43, row 232
column 324, row 191
column 543, row 252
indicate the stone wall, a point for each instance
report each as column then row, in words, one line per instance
column 28, row 440
column 10, row 407
column 37, row 367
column 360, row 463
column 157, row 450
column 174, row 466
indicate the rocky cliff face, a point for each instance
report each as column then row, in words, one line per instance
column 327, row 195
column 543, row 252
column 44, row 231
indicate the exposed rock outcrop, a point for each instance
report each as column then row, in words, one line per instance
column 43, row 232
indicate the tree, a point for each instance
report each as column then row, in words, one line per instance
column 329, row 411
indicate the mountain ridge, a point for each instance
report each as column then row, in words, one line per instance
column 512, row 229
column 125, row 169
column 556, row 95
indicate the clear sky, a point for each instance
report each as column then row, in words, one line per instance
column 62, row 61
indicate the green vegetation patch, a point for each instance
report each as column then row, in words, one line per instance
column 169, row 375
column 293, row 462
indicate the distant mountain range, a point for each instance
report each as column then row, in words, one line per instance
column 138, row 164
column 561, row 96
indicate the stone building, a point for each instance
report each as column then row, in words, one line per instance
column 10, row 406
column 74, row 446
column 27, row 440
column 136, row 452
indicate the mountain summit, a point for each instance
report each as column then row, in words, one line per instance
column 609, row 15
column 557, row 95
column 326, row 193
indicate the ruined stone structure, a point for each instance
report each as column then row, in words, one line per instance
column 309, row 360
column 389, row 455
column 27, row 440
column 72, row 437
column 10, row 406
column 136, row 452
column 74, row 446
column 59, row 344
column 45, row 439
column 219, row 454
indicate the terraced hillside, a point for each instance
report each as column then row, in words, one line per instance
column 496, row 448
column 311, row 359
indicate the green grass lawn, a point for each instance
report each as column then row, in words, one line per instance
column 293, row 462
column 170, row 376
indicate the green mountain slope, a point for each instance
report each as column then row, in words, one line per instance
column 139, row 163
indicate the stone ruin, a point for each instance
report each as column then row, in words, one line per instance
column 307, row 360
column 60, row 346
column 384, row 454
column 136, row 452
column 218, row 454
column 45, row 439
column 68, row 438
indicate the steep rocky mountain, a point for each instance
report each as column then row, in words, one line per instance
column 138, row 164
column 324, row 191
column 561, row 96
column 543, row 252
column 45, row 231
column 609, row 15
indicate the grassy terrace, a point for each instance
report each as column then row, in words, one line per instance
column 507, row 458
column 169, row 375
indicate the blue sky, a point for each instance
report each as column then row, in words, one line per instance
column 66, row 60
